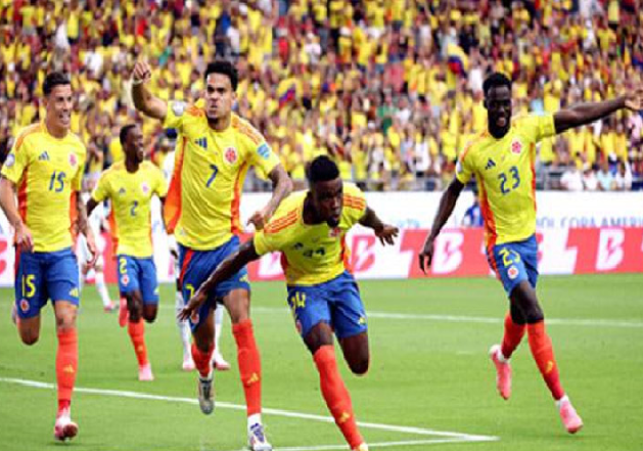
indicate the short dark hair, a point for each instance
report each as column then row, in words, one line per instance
column 224, row 68
column 495, row 80
column 124, row 131
column 322, row 169
column 54, row 79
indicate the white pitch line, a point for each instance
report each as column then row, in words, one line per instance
column 633, row 324
column 452, row 436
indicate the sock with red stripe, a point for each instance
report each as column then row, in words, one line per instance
column 66, row 366
column 513, row 336
column 543, row 353
column 249, row 365
column 137, row 335
column 336, row 395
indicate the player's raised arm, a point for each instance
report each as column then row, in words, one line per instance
column 447, row 204
column 586, row 113
column 281, row 188
column 144, row 101
column 228, row 267
column 24, row 240
column 385, row 232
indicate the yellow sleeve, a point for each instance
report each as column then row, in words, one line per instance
column 101, row 191
column 538, row 127
column 262, row 156
column 354, row 204
column 77, row 183
column 17, row 161
column 463, row 168
column 175, row 114
column 160, row 185
column 267, row 241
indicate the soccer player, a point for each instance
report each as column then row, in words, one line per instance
column 218, row 361
column 45, row 170
column 309, row 228
column 130, row 186
column 202, row 209
column 502, row 159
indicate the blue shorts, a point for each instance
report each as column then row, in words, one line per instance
column 336, row 302
column 515, row 262
column 45, row 275
column 196, row 267
column 138, row 274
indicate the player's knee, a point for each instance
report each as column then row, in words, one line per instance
column 29, row 338
column 149, row 317
column 533, row 314
column 359, row 367
column 66, row 322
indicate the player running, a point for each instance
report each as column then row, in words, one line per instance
column 218, row 362
column 502, row 160
column 130, row 186
column 202, row 210
column 45, row 170
column 309, row 228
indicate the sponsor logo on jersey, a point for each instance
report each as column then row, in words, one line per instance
column 201, row 142
column 121, row 192
column 44, row 156
column 231, row 155
column 490, row 164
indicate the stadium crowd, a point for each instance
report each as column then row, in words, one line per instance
column 392, row 89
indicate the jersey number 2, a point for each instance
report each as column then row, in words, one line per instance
column 515, row 176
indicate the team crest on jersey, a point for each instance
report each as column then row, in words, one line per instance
column 11, row 159
column 231, row 155
column 145, row 187
column 334, row 232
column 24, row 305
column 512, row 272
column 73, row 159
column 125, row 279
column 516, row 147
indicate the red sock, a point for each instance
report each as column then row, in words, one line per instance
column 202, row 360
column 513, row 336
column 543, row 353
column 249, row 365
column 137, row 335
column 336, row 395
column 66, row 366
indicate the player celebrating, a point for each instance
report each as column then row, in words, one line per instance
column 218, row 361
column 130, row 186
column 309, row 229
column 45, row 170
column 202, row 209
column 503, row 159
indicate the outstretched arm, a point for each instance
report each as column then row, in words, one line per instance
column 281, row 188
column 586, row 113
column 230, row 266
column 144, row 101
column 447, row 204
column 386, row 233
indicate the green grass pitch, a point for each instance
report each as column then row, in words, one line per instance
column 430, row 385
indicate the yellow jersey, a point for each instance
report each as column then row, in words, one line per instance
column 48, row 173
column 131, row 196
column 311, row 254
column 505, row 171
column 202, row 207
